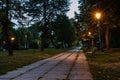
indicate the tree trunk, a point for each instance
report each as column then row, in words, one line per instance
column 42, row 43
column 107, row 39
column 93, row 43
column 6, row 29
column 45, row 26
column 53, row 43
column 5, row 24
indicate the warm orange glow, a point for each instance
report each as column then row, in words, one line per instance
column 12, row 38
column 98, row 15
column 89, row 33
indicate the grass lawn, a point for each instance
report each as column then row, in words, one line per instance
column 24, row 57
column 105, row 66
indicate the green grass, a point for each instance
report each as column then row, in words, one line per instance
column 102, row 73
column 104, row 57
column 24, row 57
column 105, row 66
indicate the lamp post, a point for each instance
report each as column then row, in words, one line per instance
column 25, row 41
column 89, row 34
column 98, row 16
column 92, row 39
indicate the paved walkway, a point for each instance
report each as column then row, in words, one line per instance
column 71, row 65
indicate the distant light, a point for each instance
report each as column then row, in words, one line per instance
column 12, row 38
column 89, row 33
column 98, row 15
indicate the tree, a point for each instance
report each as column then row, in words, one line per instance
column 9, row 10
column 64, row 30
column 114, row 38
column 23, row 37
column 111, row 19
column 110, row 11
column 44, row 12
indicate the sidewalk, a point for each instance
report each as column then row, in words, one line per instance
column 71, row 65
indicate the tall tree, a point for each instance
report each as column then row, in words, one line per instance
column 9, row 10
column 64, row 30
column 110, row 13
column 23, row 37
column 44, row 12
column 111, row 20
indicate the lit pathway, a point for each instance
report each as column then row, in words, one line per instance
column 71, row 65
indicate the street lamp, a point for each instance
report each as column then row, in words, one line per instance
column 12, row 39
column 89, row 33
column 98, row 16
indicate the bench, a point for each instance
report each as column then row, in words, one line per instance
column 92, row 52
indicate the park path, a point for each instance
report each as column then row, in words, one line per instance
column 70, row 65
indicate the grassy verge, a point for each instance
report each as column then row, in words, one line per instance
column 105, row 66
column 24, row 57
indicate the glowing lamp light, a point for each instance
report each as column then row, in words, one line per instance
column 12, row 38
column 98, row 15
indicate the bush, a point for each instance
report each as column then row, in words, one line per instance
column 34, row 45
column 14, row 46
